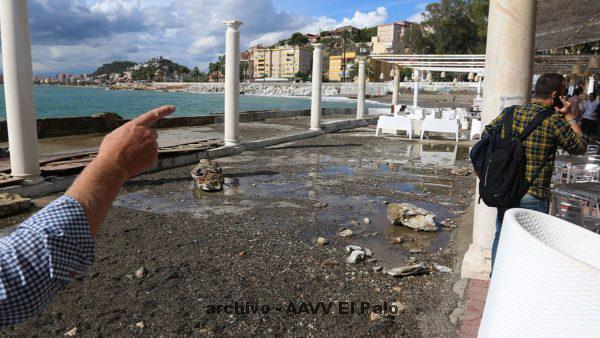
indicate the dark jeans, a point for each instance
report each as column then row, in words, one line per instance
column 589, row 127
column 527, row 202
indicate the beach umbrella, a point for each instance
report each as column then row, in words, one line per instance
column 392, row 72
column 455, row 81
column 471, row 76
column 594, row 62
column 381, row 77
column 406, row 79
column 443, row 75
column 429, row 77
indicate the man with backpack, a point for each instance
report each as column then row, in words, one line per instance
column 515, row 158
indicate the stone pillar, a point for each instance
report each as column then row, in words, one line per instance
column 591, row 84
column 508, row 65
column 416, row 75
column 396, row 86
column 232, row 83
column 362, row 83
column 317, row 78
column 18, row 91
column 478, row 97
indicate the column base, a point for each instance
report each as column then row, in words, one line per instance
column 31, row 180
column 316, row 129
column 477, row 263
column 232, row 143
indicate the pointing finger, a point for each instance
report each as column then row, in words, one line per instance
column 151, row 117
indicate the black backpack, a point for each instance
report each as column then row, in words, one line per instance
column 500, row 162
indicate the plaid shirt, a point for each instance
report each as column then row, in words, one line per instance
column 42, row 255
column 542, row 143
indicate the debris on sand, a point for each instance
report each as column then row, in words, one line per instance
column 321, row 205
column 140, row 325
column 463, row 171
column 450, row 223
column 13, row 203
column 377, row 268
column 409, row 270
column 141, row 272
column 208, row 175
column 72, row 332
column 350, row 248
column 355, row 257
column 397, row 240
column 346, row 233
column 366, row 220
column 322, row 241
column 411, row 216
column 442, row 268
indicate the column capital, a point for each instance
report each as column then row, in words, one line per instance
column 361, row 59
column 317, row 45
column 232, row 24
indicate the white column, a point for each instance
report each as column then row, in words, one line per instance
column 18, row 91
column 508, row 81
column 478, row 97
column 396, row 85
column 317, row 78
column 362, row 83
column 232, row 83
column 416, row 75
column 591, row 84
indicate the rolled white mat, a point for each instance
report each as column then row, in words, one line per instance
column 546, row 279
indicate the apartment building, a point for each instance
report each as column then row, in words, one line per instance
column 282, row 61
column 336, row 66
column 389, row 39
column 377, row 70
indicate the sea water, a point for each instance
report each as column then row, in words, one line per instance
column 54, row 101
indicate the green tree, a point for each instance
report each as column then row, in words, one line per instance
column 451, row 27
column 297, row 39
column 299, row 76
column 195, row 73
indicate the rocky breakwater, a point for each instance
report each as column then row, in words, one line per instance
column 264, row 89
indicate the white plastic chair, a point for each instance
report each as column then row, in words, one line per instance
column 418, row 114
column 440, row 126
column 546, row 280
column 475, row 129
column 394, row 124
column 449, row 114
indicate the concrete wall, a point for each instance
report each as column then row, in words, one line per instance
column 106, row 122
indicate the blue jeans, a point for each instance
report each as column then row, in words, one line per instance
column 527, row 202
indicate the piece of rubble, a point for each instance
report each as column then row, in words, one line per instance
column 442, row 268
column 409, row 270
column 321, row 205
column 463, row 171
column 377, row 268
column 368, row 252
column 397, row 240
column 355, row 257
column 322, row 241
column 350, row 248
column 411, row 216
column 141, row 272
column 346, row 233
column 72, row 332
column 366, row 220
column 400, row 307
column 140, row 325
column 13, row 203
column 208, row 175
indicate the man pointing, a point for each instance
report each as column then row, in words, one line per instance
column 55, row 245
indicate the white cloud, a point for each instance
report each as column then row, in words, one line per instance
column 79, row 35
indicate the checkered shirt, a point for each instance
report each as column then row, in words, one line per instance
column 51, row 248
column 542, row 143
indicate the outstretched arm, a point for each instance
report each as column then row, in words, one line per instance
column 55, row 245
column 124, row 153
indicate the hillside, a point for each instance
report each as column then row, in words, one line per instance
column 113, row 67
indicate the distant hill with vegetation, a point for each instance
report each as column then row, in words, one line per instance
column 113, row 67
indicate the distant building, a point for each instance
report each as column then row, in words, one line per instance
column 312, row 38
column 282, row 61
column 339, row 31
column 62, row 78
column 336, row 66
column 380, row 71
column 389, row 39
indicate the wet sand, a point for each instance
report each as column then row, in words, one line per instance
column 255, row 242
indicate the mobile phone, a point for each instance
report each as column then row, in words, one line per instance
column 558, row 103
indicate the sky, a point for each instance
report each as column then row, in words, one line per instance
column 77, row 36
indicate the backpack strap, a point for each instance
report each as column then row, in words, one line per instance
column 507, row 120
column 546, row 113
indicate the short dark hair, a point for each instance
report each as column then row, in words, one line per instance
column 577, row 91
column 547, row 84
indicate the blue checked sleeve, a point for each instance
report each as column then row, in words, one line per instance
column 51, row 248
